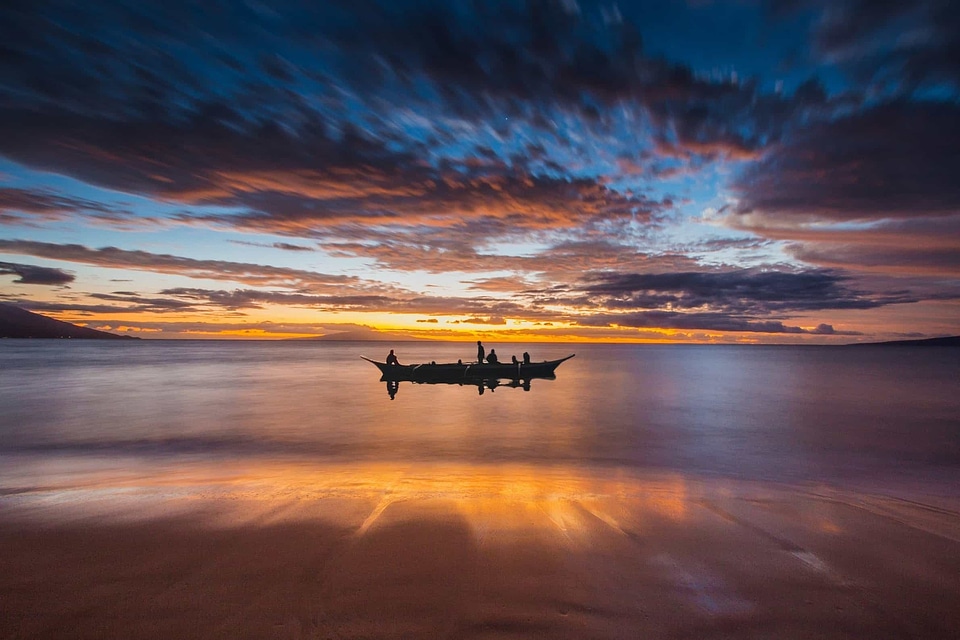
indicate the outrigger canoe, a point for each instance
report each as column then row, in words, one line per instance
column 467, row 371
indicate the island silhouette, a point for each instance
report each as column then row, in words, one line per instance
column 20, row 323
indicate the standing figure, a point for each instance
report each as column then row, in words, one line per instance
column 480, row 352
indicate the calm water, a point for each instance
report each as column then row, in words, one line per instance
column 776, row 413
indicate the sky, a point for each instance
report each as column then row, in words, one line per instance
column 739, row 171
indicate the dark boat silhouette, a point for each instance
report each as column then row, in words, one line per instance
column 458, row 372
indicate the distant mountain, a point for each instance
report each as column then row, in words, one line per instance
column 952, row 341
column 354, row 336
column 360, row 333
column 20, row 323
column 363, row 336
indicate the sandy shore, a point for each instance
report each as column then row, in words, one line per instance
column 292, row 551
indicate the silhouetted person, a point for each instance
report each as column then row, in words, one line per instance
column 392, row 359
column 526, row 358
column 492, row 358
column 513, row 360
column 480, row 352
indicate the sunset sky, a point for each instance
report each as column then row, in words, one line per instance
column 689, row 170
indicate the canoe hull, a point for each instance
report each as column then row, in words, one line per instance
column 456, row 372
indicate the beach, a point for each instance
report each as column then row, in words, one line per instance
column 434, row 551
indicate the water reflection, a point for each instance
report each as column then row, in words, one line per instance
column 564, row 499
column 392, row 387
column 482, row 385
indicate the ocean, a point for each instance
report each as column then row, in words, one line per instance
column 771, row 413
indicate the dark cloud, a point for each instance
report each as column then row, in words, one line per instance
column 890, row 170
column 78, row 308
column 31, row 274
column 137, row 302
column 703, row 321
column 112, row 257
column 26, row 206
column 399, row 302
column 918, row 260
column 896, row 160
column 734, row 292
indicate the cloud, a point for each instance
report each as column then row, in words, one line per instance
column 495, row 320
column 863, row 257
column 898, row 47
column 114, row 258
column 334, row 114
column 469, row 249
column 500, row 284
column 703, row 321
column 27, row 206
column 31, row 274
column 734, row 292
column 398, row 302
column 76, row 307
column 303, row 182
column 284, row 246
column 874, row 191
column 405, row 197
column 895, row 160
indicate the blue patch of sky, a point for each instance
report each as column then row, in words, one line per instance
column 717, row 39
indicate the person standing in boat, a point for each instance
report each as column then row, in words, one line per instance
column 392, row 359
column 481, row 353
column 492, row 358
column 526, row 358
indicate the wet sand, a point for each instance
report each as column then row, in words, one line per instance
column 297, row 551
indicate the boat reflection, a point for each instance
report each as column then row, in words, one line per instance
column 482, row 385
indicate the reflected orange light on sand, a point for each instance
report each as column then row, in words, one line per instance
column 503, row 498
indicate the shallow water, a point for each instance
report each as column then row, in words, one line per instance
column 770, row 413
